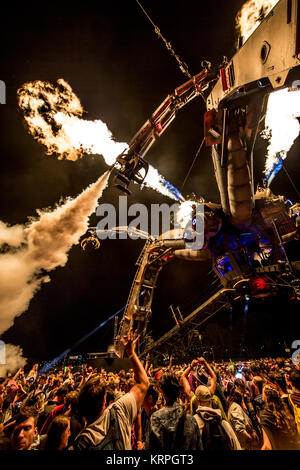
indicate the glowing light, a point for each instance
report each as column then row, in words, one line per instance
column 281, row 127
column 250, row 16
column 259, row 284
column 184, row 214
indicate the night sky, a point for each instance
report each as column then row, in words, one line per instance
column 121, row 72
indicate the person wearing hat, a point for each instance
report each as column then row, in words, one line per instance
column 216, row 432
column 201, row 379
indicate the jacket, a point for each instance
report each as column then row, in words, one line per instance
column 208, row 413
column 241, row 424
column 170, row 430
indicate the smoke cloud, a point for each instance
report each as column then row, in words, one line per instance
column 43, row 246
column 13, row 236
column 13, row 359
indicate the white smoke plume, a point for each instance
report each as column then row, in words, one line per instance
column 46, row 242
column 13, row 359
column 13, row 236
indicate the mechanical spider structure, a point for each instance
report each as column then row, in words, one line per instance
column 252, row 237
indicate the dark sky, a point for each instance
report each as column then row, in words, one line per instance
column 121, row 71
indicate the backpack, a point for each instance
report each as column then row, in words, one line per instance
column 214, row 436
column 113, row 439
column 173, row 439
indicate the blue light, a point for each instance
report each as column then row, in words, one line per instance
column 53, row 362
column 172, row 189
column 274, row 170
column 81, row 340
column 223, row 265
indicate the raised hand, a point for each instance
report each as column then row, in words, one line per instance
column 201, row 360
column 129, row 342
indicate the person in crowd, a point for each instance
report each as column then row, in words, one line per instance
column 257, row 398
column 202, row 379
column 248, row 406
column 64, row 408
column 92, row 406
column 170, row 427
column 241, row 422
column 108, row 416
column 279, row 427
column 21, row 433
column 58, row 434
column 216, row 432
column 294, row 397
column 149, row 406
column 278, row 380
column 56, row 398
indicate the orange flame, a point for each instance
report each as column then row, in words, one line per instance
column 251, row 15
column 54, row 118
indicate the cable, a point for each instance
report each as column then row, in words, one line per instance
column 182, row 65
column 190, row 169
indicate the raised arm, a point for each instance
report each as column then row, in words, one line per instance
column 147, row 362
column 211, row 373
column 140, row 388
column 170, row 362
column 184, row 379
column 17, row 374
column 22, row 378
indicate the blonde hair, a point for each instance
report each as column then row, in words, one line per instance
column 278, row 408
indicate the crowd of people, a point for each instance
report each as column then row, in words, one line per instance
column 252, row 405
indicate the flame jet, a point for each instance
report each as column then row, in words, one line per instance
column 54, row 116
